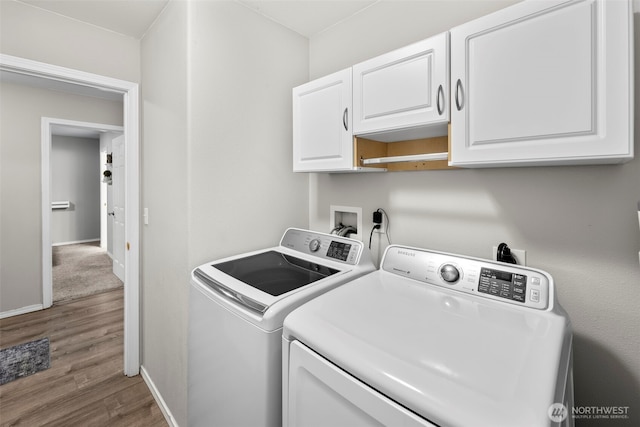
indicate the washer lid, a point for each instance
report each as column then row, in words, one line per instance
column 454, row 359
column 274, row 272
column 263, row 309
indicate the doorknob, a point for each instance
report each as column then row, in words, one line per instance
column 111, row 213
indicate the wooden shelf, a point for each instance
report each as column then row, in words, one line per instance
column 416, row 154
column 408, row 158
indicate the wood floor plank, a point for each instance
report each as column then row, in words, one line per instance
column 79, row 400
column 133, row 405
column 92, row 416
column 85, row 384
column 59, row 318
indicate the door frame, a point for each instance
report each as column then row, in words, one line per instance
column 130, row 94
column 47, row 124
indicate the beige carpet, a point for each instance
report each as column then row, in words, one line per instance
column 80, row 270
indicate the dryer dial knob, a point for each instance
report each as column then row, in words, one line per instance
column 314, row 245
column 449, row 273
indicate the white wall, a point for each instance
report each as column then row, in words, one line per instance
column 29, row 32
column 75, row 177
column 578, row 223
column 164, row 255
column 243, row 191
column 216, row 155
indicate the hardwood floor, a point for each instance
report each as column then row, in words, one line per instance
column 85, row 384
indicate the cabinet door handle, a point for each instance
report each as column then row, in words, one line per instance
column 459, row 99
column 345, row 119
column 440, row 96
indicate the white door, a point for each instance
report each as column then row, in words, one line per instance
column 322, row 134
column 543, row 83
column 405, row 88
column 118, row 206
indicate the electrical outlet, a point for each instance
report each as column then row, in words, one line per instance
column 519, row 254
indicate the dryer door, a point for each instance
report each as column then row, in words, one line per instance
column 321, row 394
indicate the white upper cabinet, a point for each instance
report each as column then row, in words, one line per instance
column 322, row 132
column 406, row 89
column 542, row 83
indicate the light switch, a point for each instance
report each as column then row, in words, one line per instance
column 145, row 216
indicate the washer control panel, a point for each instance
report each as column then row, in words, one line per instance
column 508, row 283
column 327, row 246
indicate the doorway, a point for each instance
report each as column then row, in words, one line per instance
column 74, row 80
column 86, row 188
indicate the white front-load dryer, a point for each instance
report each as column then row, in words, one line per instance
column 430, row 339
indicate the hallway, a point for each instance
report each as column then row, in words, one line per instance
column 80, row 270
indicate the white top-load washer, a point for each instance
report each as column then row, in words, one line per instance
column 430, row 339
column 236, row 309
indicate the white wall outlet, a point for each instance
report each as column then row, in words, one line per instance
column 519, row 254
column 346, row 215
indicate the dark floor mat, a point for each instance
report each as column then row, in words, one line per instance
column 24, row 359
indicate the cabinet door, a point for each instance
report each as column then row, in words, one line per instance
column 408, row 87
column 322, row 135
column 543, row 83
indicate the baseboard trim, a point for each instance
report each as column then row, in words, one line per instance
column 158, row 398
column 75, row 242
column 22, row 310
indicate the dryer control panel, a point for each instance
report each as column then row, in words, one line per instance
column 503, row 284
column 325, row 246
column 508, row 283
